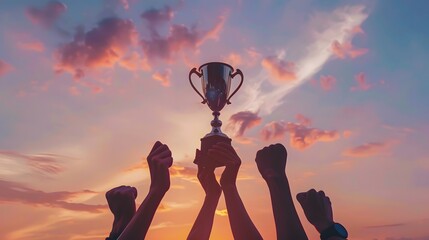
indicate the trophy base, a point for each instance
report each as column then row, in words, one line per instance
column 208, row 141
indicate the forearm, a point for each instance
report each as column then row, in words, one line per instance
column 204, row 222
column 288, row 225
column 139, row 224
column 118, row 226
column 241, row 225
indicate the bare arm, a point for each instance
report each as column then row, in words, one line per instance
column 241, row 225
column 271, row 163
column 159, row 161
column 204, row 222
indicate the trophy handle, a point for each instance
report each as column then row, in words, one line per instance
column 194, row 70
column 238, row 71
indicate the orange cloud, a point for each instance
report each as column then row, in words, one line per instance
column 343, row 50
column 303, row 119
column 103, row 46
column 327, row 82
column 347, row 133
column 279, row 69
column 4, row 67
column 163, row 77
column 242, row 121
column 18, row 193
column 135, row 62
column 301, row 135
column 35, row 46
column 47, row 15
column 361, row 83
column 368, row 149
column 234, row 59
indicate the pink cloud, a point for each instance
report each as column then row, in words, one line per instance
column 4, row 67
column 327, row 82
column 179, row 37
column 303, row 119
column 368, row 149
column 347, row 133
column 362, row 84
column 279, row 69
column 13, row 192
column 103, row 46
column 135, row 62
column 163, row 77
column 34, row 46
column 343, row 50
column 234, row 59
column 242, row 121
column 301, row 135
column 47, row 15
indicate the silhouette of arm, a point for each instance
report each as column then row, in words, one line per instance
column 159, row 161
column 241, row 225
column 318, row 210
column 271, row 163
column 122, row 204
column 204, row 222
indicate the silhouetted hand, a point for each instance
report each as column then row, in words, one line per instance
column 317, row 208
column 226, row 154
column 271, row 161
column 122, row 203
column 207, row 177
column 159, row 160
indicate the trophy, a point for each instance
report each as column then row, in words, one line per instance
column 216, row 83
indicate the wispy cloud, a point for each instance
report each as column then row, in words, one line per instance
column 346, row 49
column 242, row 121
column 325, row 29
column 14, row 192
column 362, row 84
column 327, row 82
column 163, row 77
column 368, row 149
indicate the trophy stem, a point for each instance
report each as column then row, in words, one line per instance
column 216, row 124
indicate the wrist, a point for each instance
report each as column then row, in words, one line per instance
column 119, row 224
column 322, row 226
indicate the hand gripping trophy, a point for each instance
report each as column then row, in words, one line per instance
column 216, row 83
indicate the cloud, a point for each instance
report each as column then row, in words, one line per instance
column 14, row 192
column 387, row 225
column 179, row 37
column 40, row 163
column 47, row 15
column 303, row 119
column 134, row 62
column 242, row 121
column 347, row 133
column 103, row 46
column 222, row 212
column 362, row 84
column 323, row 28
column 368, row 149
column 4, row 67
column 34, row 46
column 279, row 69
column 163, row 77
column 301, row 135
column 346, row 49
column 327, row 82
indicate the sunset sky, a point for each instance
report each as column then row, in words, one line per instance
column 87, row 87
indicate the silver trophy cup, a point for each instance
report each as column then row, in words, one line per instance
column 216, row 80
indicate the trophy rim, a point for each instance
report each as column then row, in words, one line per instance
column 232, row 69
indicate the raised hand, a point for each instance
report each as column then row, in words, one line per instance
column 121, row 202
column 225, row 153
column 317, row 208
column 159, row 160
column 207, row 177
column 271, row 161
column 204, row 222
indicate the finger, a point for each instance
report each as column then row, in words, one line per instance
column 226, row 150
column 301, row 197
column 163, row 154
column 134, row 190
column 160, row 148
column 322, row 193
column 166, row 162
column 155, row 146
column 221, row 156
